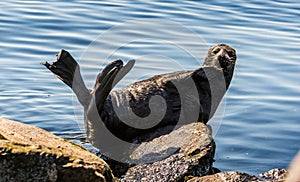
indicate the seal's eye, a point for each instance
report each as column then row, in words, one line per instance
column 230, row 53
column 216, row 51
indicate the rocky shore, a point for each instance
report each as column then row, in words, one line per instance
column 28, row 153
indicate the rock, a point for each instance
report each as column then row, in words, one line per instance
column 188, row 150
column 225, row 177
column 274, row 174
column 28, row 153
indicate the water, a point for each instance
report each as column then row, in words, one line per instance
column 260, row 128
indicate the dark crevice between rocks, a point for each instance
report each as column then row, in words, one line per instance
column 205, row 162
column 118, row 168
column 197, row 151
column 2, row 137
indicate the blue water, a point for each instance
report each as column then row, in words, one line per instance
column 259, row 119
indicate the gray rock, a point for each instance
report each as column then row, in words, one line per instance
column 188, row 150
column 274, row 175
column 232, row 176
column 28, row 153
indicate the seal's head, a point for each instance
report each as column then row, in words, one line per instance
column 222, row 56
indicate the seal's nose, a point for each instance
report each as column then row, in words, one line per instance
column 223, row 58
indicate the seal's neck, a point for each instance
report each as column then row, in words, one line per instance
column 227, row 71
column 228, row 74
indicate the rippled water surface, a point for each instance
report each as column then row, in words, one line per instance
column 260, row 114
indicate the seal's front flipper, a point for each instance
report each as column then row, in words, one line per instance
column 67, row 70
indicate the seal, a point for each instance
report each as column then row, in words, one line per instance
column 185, row 96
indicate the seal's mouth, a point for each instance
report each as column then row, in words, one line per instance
column 225, row 63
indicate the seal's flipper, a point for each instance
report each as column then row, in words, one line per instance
column 124, row 70
column 101, row 76
column 104, row 82
column 64, row 67
column 108, row 78
column 67, row 70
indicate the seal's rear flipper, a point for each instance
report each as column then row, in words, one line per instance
column 64, row 67
column 67, row 70
column 108, row 78
column 124, row 70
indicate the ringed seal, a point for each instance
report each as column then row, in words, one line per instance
column 211, row 81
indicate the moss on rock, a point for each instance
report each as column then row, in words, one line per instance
column 28, row 153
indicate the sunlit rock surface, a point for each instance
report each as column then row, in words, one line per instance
column 28, row 153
